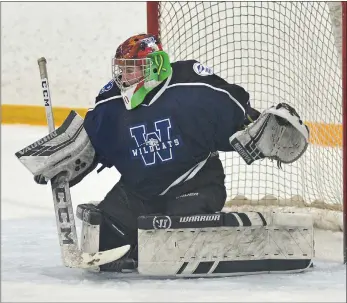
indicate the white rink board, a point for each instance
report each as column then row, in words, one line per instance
column 78, row 40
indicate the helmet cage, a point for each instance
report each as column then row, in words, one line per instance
column 130, row 68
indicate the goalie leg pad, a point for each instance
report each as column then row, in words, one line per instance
column 224, row 244
column 277, row 134
column 90, row 233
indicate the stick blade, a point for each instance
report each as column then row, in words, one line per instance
column 90, row 260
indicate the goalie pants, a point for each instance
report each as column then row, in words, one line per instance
column 203, row 194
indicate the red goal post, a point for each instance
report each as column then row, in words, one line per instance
column 296, row 51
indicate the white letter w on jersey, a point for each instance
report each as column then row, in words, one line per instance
column 151, row 145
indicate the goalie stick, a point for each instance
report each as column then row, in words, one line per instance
column 71, row 254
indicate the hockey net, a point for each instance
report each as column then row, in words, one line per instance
column 279, row 52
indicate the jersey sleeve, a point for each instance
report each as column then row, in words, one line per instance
column 229, row 102
column 108, row 92
column 229, row 114
column 96, row 118
column 92, row 124
column 192, row 72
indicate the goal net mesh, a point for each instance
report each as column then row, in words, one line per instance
column 279, row 52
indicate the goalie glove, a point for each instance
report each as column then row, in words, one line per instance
column 278, row 134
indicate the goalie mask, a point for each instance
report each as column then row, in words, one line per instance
column 139, row 65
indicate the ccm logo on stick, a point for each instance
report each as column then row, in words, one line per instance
column 63, row 215
column 45, row 91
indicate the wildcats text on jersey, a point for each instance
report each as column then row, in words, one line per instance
column 154, row 145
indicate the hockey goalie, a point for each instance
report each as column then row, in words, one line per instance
column 161, row 125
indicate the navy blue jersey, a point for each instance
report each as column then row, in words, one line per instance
column 169, row 137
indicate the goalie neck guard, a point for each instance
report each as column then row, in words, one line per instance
column 139, row 65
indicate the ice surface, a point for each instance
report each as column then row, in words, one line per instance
column 32, row 271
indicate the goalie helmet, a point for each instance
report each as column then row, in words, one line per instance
column 140, row 64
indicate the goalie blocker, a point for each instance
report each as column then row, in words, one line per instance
column 224, row 244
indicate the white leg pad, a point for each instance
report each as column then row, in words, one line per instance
column 90, row 235
column 271, row 242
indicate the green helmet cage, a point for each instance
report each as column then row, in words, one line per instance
column 159, row 70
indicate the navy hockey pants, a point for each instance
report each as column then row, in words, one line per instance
column 121, row 209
